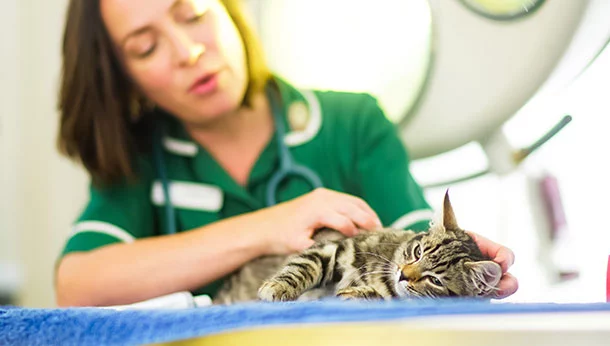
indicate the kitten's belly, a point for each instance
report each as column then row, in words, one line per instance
column 317, row 293
column 243, row 285
column 349, row 276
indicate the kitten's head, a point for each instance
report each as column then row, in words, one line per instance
column 445, row 262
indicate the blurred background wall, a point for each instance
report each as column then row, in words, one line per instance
column 41, row 192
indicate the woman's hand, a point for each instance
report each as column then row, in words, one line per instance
column 289, row 226
column 504, row 257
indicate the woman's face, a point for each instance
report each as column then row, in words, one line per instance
column 184, row 55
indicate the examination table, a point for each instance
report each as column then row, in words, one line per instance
column 327, row 322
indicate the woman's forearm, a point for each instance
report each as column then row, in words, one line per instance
column 126, row 273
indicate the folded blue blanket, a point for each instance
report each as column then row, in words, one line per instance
column 91, row 326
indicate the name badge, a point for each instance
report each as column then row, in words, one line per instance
column 188, row 195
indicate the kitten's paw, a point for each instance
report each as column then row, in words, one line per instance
column 359, row 293
column 349, row 294
column 277, row 291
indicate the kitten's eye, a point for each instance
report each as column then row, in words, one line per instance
column 417, row 252
column 435, row 281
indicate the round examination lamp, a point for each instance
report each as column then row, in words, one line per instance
column 486, row 70
column 503, row 9
column 381, row 47
column 448, row 72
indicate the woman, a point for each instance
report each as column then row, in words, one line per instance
column 188, row 78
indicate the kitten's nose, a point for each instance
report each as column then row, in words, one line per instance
column 409, row 273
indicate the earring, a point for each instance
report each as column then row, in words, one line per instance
column 148, row 105
column 135, row 108
column 139, row 105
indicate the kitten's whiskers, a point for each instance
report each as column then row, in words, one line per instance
column 385, row 270
column 356, row 272
column 378, row 256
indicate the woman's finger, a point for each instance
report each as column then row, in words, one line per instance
column 303, row 244
column 361, row 218
column 360, row 203
column 488, row 247
column 339, row 222
column 498, row 253
column 507, row 286
column 505, row 258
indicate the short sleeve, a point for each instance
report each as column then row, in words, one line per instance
column 382, row 166
column 119, row 213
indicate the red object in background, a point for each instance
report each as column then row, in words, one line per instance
column 608, row 281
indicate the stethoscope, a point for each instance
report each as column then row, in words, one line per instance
column 288, row 166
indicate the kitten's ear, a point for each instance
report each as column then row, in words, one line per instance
column 488, row 273
column 449, row 221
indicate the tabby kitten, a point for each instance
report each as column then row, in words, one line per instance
column 442, row 262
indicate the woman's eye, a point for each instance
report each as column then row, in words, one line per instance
column 147, row 52
column 435, row 281
column 417, row 252
column 192, row 11
column 197, row 18
column 141, row 46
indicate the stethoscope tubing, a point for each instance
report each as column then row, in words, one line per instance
column 170, row 215
column 288, row 167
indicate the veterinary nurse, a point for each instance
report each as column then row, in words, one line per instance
column 170, row 101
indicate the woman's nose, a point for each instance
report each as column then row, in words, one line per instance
column 187, row 51
column 195, row 52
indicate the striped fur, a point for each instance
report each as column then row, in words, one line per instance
column 385, row 264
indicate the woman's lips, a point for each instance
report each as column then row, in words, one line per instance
column 205, row 85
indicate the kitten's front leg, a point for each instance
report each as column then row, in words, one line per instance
column 303, row 272
column 359, row 292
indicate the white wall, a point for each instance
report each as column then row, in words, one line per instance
column 9, row 86
column 578, row 158
column 44, row 190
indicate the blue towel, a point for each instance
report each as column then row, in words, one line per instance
column 91, row 326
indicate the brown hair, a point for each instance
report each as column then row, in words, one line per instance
column 96, row 99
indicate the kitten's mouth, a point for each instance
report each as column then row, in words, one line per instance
column 401, row 284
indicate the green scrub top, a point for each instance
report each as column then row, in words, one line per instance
column 344, row 137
